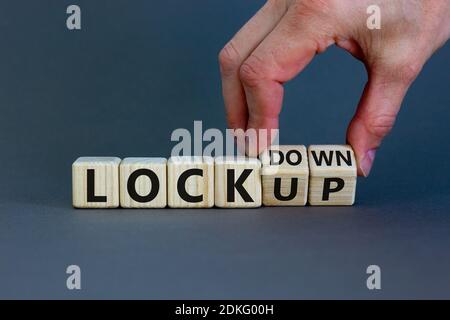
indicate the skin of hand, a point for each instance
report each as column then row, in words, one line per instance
column 284, row 36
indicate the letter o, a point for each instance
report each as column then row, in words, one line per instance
column 131, row 185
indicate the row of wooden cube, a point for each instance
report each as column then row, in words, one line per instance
column 283, row 176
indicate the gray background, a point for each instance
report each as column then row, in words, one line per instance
column 139, row 69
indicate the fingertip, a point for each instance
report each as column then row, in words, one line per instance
column 358, row 138
column 261, row 132
column 366, row 164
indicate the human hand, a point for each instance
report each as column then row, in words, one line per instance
column 284, row 36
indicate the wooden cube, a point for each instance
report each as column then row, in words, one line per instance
column 237, row 182
column 190, row 182
column 285, row 175
column 95, row 182
column 143, row 183
column 332, row 178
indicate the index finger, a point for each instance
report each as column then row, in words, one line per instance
column 234, row 54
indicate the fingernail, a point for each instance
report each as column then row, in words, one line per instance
column 367, row 162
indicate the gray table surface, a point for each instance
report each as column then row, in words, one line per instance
column 136, row 71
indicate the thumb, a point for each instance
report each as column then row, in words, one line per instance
column 376, row 113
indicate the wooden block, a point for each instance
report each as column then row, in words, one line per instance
column 332, row 178
column 95, row 182
column 143, row 183
column 238, row 182
column 190, row 182
column 285, row 174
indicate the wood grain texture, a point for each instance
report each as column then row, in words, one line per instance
column 104, row 172
column 195, row 185
column 285, row 175
column 142, row 171
column 234, row 167
column 333, row 175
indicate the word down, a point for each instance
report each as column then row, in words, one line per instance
column 287, row 175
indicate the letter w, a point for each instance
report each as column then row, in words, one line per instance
column 323, row 157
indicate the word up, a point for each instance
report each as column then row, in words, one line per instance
column 282, row 176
